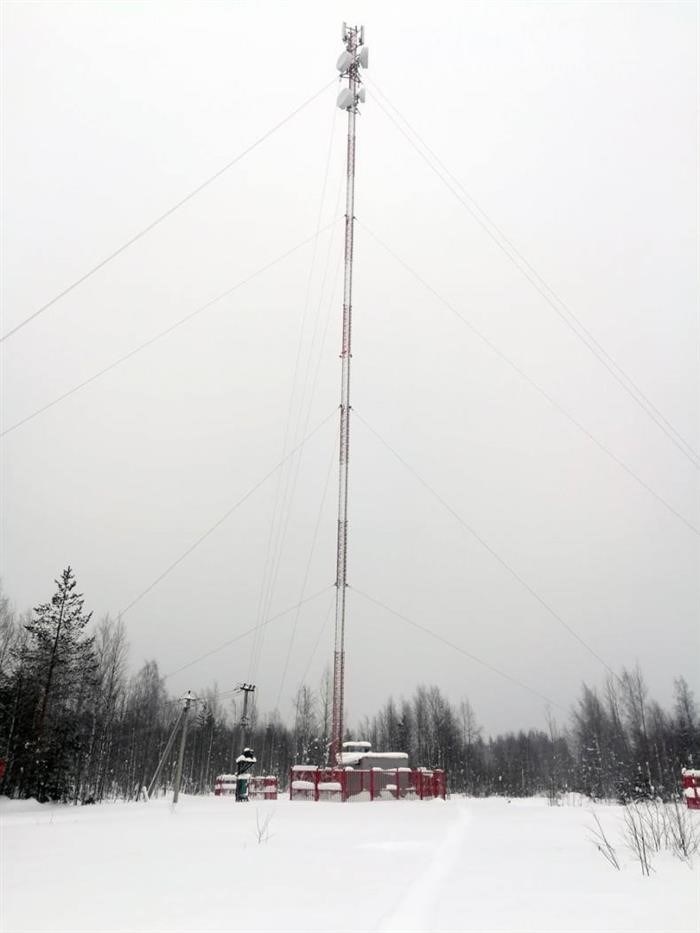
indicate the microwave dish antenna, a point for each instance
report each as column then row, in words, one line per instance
column 344, row 62
column 346, row 99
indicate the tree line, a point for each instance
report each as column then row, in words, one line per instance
column 74, row 726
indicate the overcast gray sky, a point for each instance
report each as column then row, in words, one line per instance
column 573, row 125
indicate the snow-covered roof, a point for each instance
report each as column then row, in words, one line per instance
column 387, row 755
column 348, row 759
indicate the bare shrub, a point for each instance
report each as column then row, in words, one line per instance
column 682, row 833
column 602, row 843
column 650, row 827
column 636, row 834
column 263, row 827
column 652, row 815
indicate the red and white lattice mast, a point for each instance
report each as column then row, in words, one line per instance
column 352, row 59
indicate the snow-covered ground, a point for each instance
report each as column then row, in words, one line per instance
column 212, row 865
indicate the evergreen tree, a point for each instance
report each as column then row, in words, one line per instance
column 58, row 665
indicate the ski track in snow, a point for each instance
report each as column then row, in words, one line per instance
column 478, row 864
column 415, row 909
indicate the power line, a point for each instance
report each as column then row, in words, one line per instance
column 226, row 515
column 538, row 388
column 312, row 392
column 282, row 506
column 323, row 628
column 306, row 576
column 475, row 534
column 539, row 284
column 451, row 644
column 310, row 383
column 171, row 210
column 168, row 330
column 243, row 635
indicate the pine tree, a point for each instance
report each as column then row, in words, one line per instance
column 60, row 664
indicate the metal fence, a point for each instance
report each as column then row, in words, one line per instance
column 259, row 788
column 310, row 783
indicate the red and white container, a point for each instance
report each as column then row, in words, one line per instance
column 691, row 788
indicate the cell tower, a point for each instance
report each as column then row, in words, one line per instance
column 351, row 60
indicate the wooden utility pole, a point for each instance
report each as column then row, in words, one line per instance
column 188, row 697
column 187, row 700
column 247, row 690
